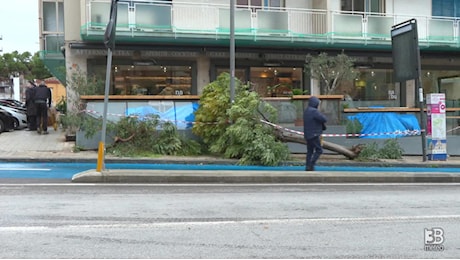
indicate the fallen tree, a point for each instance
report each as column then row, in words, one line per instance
column 287, row 135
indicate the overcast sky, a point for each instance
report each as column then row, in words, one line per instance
column 19, row 26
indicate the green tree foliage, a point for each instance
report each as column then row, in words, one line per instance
column 330, row 70
column 390, row 150
column 234, row 130
column 31, row 67
column 38, row 69
column 85, row 85
column 141, row 137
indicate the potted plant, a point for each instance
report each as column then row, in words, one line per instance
column 330, row 70
column 73, row 116
column 353, row 128
column 299, row 104
column 298, row 92
column 279, row 90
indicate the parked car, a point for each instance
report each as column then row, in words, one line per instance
column 13, row 102
column 6, row 121
column 19, row 113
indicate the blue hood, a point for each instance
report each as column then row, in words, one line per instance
column 313, row 102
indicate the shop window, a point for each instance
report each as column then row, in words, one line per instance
column 275, row 81
column 152, row 80
column 371, row 85
column 270, row 81
column 240, row 74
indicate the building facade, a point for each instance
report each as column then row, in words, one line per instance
column 171, row 49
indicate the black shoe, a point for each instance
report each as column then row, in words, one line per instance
column 310, row 168
column 39, row 132
column 45, row 133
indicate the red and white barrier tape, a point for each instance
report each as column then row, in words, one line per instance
column 406, row 132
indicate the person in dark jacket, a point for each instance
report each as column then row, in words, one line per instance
column 313, row 126
column 31, row 109
column 43, row 102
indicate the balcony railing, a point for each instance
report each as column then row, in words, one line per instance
column 140, row 20
column 54, row 42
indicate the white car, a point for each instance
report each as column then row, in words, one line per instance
column 18, row 113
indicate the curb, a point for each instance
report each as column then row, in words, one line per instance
column 193, row 176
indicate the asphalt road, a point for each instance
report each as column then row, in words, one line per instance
column 65, row 220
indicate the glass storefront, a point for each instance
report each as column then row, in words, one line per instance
column 152, row 80
column 372, row 86
column 146, row 79
column 270, row 81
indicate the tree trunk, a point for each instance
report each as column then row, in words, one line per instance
column 287, row 136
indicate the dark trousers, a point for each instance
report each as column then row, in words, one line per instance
column 314, row 151
column 32, row 122
column 42, row 116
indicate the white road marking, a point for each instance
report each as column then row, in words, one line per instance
column 227, row 222
column 24, row 169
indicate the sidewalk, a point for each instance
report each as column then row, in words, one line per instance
column 22, row 145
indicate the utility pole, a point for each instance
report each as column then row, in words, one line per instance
column 109, row 41
column 232, row 51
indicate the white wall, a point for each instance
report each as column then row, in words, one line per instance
column 299, row 4
column 409, row 7
column 333, row 5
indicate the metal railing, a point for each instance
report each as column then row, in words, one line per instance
column 139, row 18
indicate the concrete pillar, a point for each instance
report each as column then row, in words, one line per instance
column 76, row 65
column 203, row 65
column 315, row 89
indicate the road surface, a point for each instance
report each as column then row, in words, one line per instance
column 65, row 220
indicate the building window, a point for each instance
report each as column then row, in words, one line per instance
column 259, row 4
column 276, row 3
column 368, row 6
column 446, row 8
column 53, row 16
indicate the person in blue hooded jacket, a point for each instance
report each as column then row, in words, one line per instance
column 314, row 122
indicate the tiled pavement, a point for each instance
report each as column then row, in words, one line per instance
column 30, row 145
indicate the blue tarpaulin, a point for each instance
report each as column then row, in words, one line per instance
column 182, row 116
column 386, row 124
